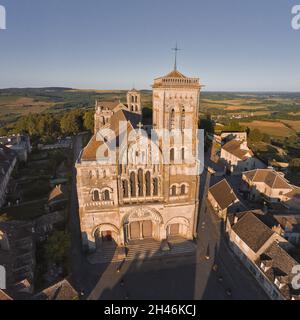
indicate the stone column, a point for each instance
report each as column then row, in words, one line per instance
column 141, row 229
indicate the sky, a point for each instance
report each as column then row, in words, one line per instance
column 232, row 45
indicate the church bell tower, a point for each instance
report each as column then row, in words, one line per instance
column 134, row 101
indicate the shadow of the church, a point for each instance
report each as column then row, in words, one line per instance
column 210, row 273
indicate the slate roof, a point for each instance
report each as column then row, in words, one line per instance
column 223, row 194
column 252, row 231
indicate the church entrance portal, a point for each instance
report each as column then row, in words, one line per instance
column 173, row 229
column 141, row 230
column 106, row 236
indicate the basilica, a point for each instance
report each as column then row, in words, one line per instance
column 134, row 198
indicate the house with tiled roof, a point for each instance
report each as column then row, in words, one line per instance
column 8, row 160
column 4, row 296
column 20, row 143
column 236, row 154
column 261, row 248
column 62, row 290
column 277, row 273
column 249, row 235
column 17, row 254
column 222, row 198
column 292, row 198
column 266, row 184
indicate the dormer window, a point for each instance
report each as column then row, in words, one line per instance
column 280, row 281
column 266, row 262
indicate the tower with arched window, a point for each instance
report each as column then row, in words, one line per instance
column 134, row 101
column 146, row 197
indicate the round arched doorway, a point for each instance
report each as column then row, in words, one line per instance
column 142, row 223
column 106, row 235
column 178, row 227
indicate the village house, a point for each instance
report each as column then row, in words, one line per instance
column 290, row 224
column 8, row 160
column 236, row 154
column 17, row 254
column 264, row 252
column 58, row 198
column 62, row 290
column 222, row 198
column 20, row 143
column 291, row 199
column 268, row 185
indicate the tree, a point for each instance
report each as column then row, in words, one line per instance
column 207, row 125
column 57, row 247
column 88, row 120
column 255, row 135
column 70, row 123
column 233, row 126
column 3, row 131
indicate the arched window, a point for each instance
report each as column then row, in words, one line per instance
column 125, row 189
column 172, row 119
column 182, row 119
column 155, row 187
column 140, row 182
column 173, row 191
column 96, row 195
column 148, row 184
column 183, row 189
column 106, row 195
column 132, row 184
column 172, row 155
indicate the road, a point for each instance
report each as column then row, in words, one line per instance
column 172, row 278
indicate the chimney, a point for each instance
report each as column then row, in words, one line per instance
column 235, row 219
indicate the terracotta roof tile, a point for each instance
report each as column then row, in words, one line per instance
column 234, row 147
column 252, row 231
column 223, row 194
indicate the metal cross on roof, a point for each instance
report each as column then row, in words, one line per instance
column 176, row 49
column 140, row 126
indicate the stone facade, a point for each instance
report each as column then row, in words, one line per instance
column 141, row 199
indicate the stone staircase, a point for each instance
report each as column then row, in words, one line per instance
column 147, row 249
column 143, row 250
column 108, row 254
